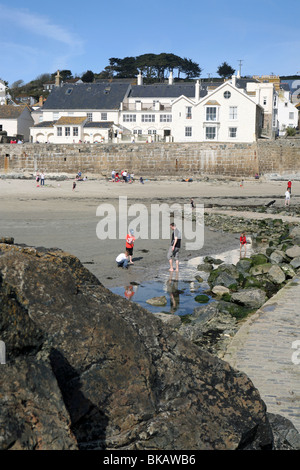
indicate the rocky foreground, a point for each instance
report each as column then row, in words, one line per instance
column 86, row 369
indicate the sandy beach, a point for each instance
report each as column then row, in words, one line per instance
column 55, row 216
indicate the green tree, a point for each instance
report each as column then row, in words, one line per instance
column 88, row 76
column 225, row 70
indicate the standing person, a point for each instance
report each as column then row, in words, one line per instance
column 289, row 187
column 192, row 203
column 42, row 179
column 37, row 178
column 243, row 243
column 122, row 260
column 130, row 239
column 175, row 247
column 287, row 198
column 74, row 185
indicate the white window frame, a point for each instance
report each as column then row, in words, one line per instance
column 75, row 131
column 211, row 113
column 148, row 117
column 188, row 112
column 165, row 118
column 232, row 132
column 129, row 117
column 59, row 131
column 103, row 116
column 89, row 117
column 67, row 131
column 188, row 131
column 207, row 137
column 233, row 113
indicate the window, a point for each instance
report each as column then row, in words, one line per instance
column 211, row 113
column 188, row 112
column 59, row 131
column 188, row 132
column 291, row 115
column 152, row 131
column 148, row 117
column 41, row 118
column 227, row 95
column 129, row 117
column 103, row 116
column 166, row 118
column 210, row 133
column 232, row 131
column 67, row 131
column 89, row 117
column 233, row 112
column 75, row 131
column 137, row 131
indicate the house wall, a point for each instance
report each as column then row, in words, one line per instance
column 24, row 123
column 246, row 122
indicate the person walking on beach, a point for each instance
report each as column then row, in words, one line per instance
column 289, row 186
column 122, row 260
column 174, row 247
column 287, row 198
column 243, row 244
column 130, row 239
column 42, row 179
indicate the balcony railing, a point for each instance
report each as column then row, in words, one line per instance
column 146, row 107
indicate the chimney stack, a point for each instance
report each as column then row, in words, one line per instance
column 197, row 91
column 57, row 79
column 140, row 79
column 171, row 80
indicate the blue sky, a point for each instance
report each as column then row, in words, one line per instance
column 42, row 37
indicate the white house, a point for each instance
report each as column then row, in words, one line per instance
column 287, row 111
column 225, row 114
column 81, row 112
column 16, row 121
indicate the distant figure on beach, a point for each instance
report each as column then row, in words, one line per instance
column 74, row 186
column 243, row 244
column 113, row 175
column 173, row 251
column 37, row 179
column 289, row 187
column 192, row 203
column 130, row 239
column 122, row 260
column 42, row 179
column 256, row 176
column 287, row 198
column 141, row 180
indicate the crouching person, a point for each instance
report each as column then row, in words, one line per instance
column 122, row 259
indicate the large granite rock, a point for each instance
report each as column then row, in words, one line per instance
column 87, row 369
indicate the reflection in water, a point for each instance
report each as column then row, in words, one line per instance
column 173, row 291
column 180, row 288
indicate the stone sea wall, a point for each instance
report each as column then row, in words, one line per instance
column 155, row 159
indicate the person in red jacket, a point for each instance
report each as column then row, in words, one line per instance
column 289, row 187
column 243, row 243
column 130, row 239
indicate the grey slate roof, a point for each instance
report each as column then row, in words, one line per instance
column 99, row 124
column 87, row 96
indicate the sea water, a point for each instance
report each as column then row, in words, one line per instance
column 179, row 289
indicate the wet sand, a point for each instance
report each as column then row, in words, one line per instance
column 55, row 216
